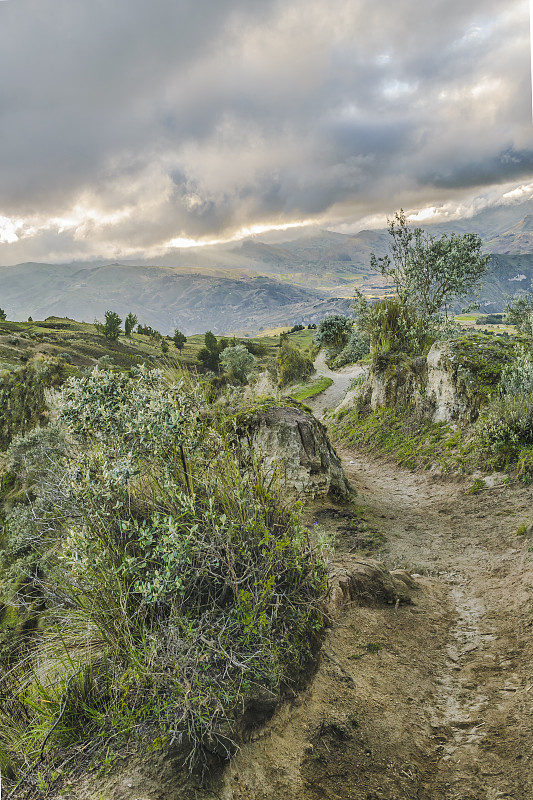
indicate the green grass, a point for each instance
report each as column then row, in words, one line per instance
column 412, row 442
column 311, row 389
column 80, row 341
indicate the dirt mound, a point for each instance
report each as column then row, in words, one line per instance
column 368, row 583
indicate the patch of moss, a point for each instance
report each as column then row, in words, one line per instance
column 246, row 414
column 477, row 361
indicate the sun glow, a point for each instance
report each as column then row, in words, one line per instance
column 83, row 219
column 242, row 233
column 425, row 214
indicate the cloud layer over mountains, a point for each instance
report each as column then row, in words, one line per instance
column 129, row 124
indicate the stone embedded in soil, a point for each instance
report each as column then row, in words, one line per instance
column 292, row 444
column 368, row 582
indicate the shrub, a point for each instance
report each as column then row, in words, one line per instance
column 519, row 312
column 357, row 347
column 394, row 327
column 22, row 396
column 179, row 586
column 333, row 332
column 517, row 377
column 238, row 361
column 505, row 426
column 257, row 348
column 105, row 361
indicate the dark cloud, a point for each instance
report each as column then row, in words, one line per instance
column 126, row 124
column 501, row 168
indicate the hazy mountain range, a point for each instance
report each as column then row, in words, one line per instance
column 255, row 284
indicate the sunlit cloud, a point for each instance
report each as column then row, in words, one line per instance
column 425, row 214
column 242, row 233
column 9, row 229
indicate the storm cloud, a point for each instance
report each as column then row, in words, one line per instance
column 126, row 125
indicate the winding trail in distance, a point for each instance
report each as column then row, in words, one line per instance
column 334, row 394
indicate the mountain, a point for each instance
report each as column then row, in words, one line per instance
column 192, row 300
column 257, row 284
column 508, row 275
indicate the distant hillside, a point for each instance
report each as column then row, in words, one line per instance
column 256, row 284
column 508, row 275
column 165, row 298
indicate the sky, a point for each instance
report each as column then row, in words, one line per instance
column 130, row 126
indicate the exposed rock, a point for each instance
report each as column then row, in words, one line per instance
column 294, row 445
column 452, row 384
column 368, row 582
column 396, row 379
column 445, row 389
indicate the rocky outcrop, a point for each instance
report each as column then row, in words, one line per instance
column 294, row 446
column 450, row 385
column 446, row 389
column 396, row 380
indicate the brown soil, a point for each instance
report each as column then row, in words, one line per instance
column 431, row 701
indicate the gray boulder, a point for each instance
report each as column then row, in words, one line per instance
column 293, row 446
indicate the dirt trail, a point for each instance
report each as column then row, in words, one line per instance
column 432, row 701
column 334, row 394
column 465, row 546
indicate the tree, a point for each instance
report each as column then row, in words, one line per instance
column 292, row 364
column 3, row 315
column 211, row 341
column 210, row 354
column 519, row 312
column 334, row 331
column 129, row 324
column 238, row 362
column 111, row 326
column 428, row 274
column 179, row 339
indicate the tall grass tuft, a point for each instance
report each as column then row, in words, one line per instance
column 177, row 588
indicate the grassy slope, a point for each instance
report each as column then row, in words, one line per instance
column 83, row 345
column 417, row 443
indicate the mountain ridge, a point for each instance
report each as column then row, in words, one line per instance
column 256, row 284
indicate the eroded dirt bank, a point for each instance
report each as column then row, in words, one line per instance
column 431, row 701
